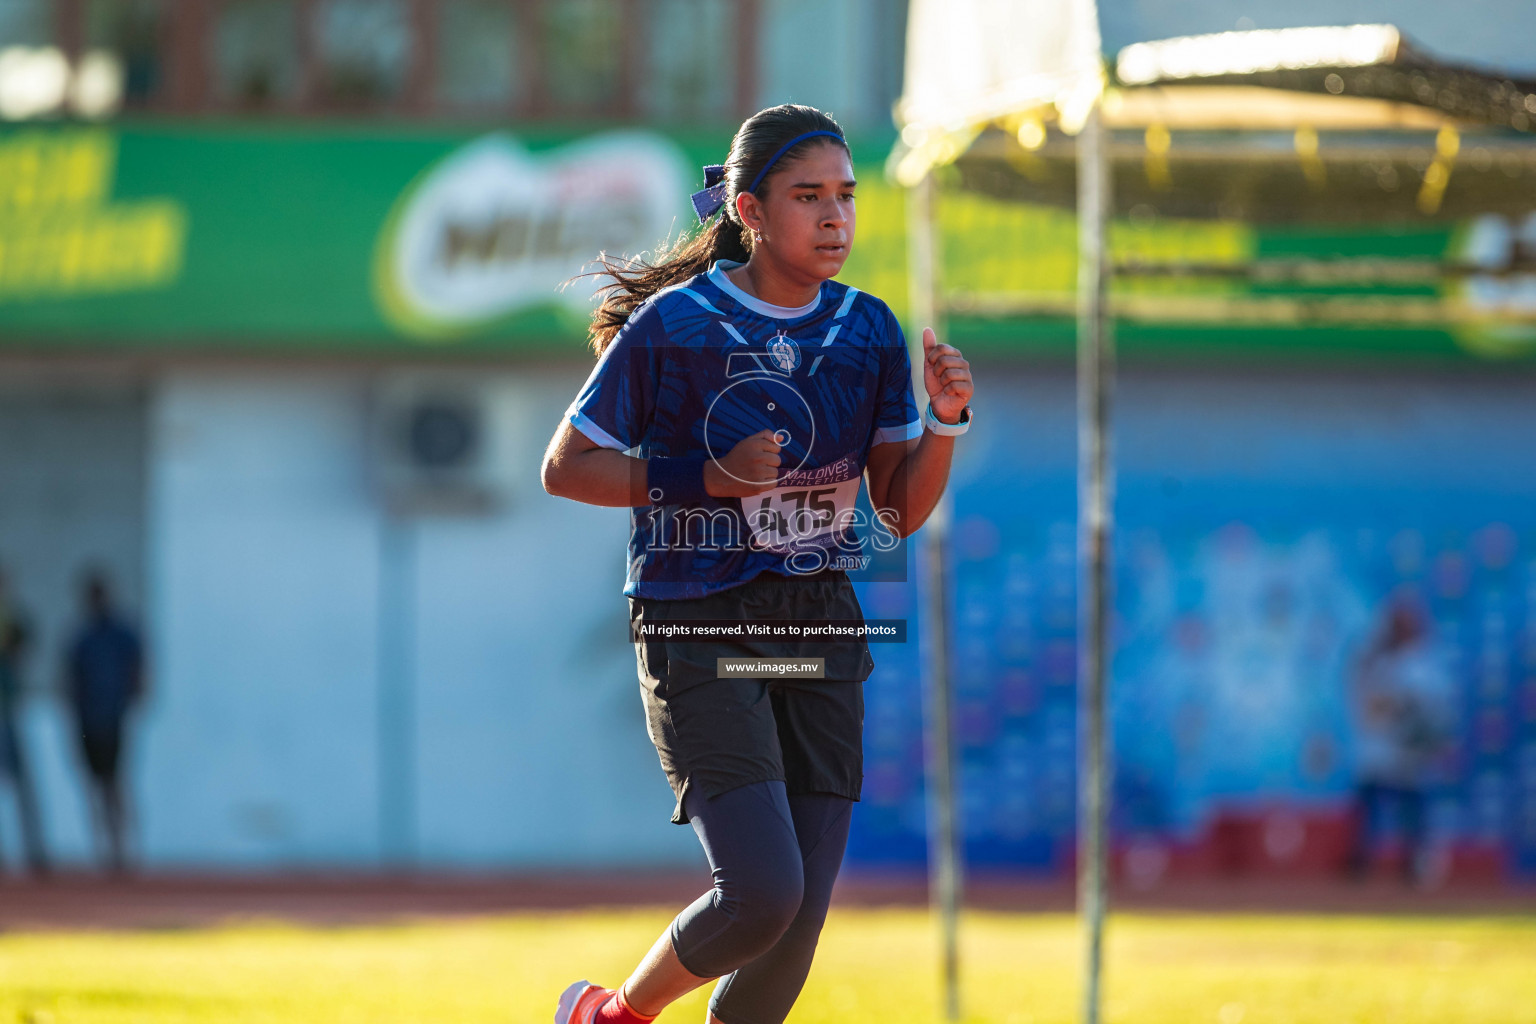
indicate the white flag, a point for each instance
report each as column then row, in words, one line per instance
column 970, row 62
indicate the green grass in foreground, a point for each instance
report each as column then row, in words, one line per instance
column 874, row 966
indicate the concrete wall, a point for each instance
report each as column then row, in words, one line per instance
column 72, row 457
column 337, row 686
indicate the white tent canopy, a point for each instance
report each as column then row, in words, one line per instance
column 970, row 62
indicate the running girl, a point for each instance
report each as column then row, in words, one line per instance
column 740, row 396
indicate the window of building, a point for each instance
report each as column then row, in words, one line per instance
column 691, row 68
column 859, row 87
column 477, row 50
column 668, row 61
column 583, row 55
column 363, row 48
column 255, row 57
column 134, row 30
column 25, row 23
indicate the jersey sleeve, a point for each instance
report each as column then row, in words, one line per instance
column 615, row 406
column 896, row 416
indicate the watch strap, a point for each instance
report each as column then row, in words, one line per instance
column 933, row 423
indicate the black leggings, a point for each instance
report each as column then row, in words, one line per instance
column 774, row 859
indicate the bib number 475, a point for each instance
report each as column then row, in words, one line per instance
column 789, row 514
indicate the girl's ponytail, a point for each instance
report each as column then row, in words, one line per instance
column 723, row 237
column 634, row 281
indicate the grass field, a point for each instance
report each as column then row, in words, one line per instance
column 874, row 966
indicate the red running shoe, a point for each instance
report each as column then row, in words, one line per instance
column 579, row 1002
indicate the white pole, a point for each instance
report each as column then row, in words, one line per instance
column 1095, row 377
column 944, row 860
column 397, row 692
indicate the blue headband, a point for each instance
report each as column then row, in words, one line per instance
column 708, row 200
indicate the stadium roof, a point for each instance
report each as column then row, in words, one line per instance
column 1370, row 61
column 1311, row 124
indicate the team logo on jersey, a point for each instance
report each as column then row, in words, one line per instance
column 784, row 352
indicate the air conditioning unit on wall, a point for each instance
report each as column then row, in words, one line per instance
column 437, row 444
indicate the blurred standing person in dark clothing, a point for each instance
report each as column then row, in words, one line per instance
column 1401, row 724
column 105, row 678
column 15, row 633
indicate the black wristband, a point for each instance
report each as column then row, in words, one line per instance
column 671, row 481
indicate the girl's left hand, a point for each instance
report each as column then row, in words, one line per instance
column 947, row 378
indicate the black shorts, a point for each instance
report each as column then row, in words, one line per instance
column 713, row 734
column 103, row 749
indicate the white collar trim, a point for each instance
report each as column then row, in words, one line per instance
column 718, row 278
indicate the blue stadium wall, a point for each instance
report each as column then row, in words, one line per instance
column 1265, row 518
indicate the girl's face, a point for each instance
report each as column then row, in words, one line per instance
column 804, row 215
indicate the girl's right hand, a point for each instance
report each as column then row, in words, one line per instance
column 752, row 467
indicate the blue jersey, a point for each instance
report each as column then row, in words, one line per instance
column 701, row 366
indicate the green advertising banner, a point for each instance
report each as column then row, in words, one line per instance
column 260, row 238
column 252, row 238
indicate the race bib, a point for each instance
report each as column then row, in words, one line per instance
column 795, row 514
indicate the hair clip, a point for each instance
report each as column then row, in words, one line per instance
column 708, row 200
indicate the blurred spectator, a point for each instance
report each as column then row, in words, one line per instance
column 105, row 677
column 15, row 633
column 1400, row 725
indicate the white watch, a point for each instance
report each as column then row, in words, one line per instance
column 933, row 423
